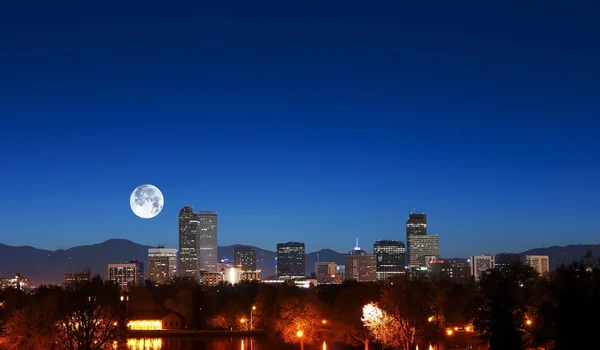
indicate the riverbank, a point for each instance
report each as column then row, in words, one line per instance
column 191, row 333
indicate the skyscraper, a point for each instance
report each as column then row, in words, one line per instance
column 208, row 260
column 390, row 258
column 290, row 260
column 423, row 246
column 506, row 259
column 162, row 264
column 416, row 225
column 245, row 257
column 189, row 243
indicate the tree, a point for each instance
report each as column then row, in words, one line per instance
column 299, row 320
column 506, row 295
column 345, row 313
column 31, row 327
column 91, row 317
column 390, row 331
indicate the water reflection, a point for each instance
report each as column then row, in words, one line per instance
column 248, row 343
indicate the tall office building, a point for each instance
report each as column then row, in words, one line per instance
column 416, row 225
column 423, row 247
column 162, row 264
column 245, row 257
column 360, row 265
column 126, row 274
column 290, row 260
column 390, row 258
column 208, row 260
column 189, row 244
column 480, row 264
column 541, row 263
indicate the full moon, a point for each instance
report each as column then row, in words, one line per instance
column 146, row 201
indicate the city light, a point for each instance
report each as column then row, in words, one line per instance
column 430, row 319
column 145, row 325
column 324, row 322
column 299, row 334
column 449, row 332
column 144, row 344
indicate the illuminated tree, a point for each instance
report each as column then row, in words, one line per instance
column 299, row 315
column 31, row 327
column 389, row 330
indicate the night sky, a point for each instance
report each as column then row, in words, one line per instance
column 309, row 121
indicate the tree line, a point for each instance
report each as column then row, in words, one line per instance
column 510, row 308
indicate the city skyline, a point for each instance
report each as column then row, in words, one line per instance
column 301, row 125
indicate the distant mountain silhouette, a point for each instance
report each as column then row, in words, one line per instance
column 46, row 266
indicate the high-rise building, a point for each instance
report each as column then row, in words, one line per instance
column 480, row 264
column 422, row 246
column 126, row 274
column 162, row 264
column 245, row 257
column 326, row 272
column 208, row 260
column 18, row 282
column 360, row 265
column 541, row 263
column 290, row 260
column 189, row 244
column 416, row 225
column 390, row 258
column 505, row 259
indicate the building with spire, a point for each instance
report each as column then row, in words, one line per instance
column 360, row 266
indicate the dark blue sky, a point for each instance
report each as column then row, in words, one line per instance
column 302, row 121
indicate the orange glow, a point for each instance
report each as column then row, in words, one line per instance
column 324, row 322
column 243, row 320
column 253, row 307
column 299, row 334
column 324, row 346
column 449, row 331
column 468, row 329
column 144, row 344
column 430, row 319
column 528, row 322
column 145, row 325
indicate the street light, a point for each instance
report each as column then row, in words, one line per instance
column 300, row 334
column 528, row 322
column 430, row 319
column 324, row 322
column 251, row 324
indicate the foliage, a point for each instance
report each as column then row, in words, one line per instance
column 299, row 314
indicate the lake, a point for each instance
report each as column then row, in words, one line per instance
column 261, row 343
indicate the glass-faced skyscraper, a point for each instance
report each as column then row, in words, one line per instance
column 416, row 225
column 208, row 241
column 390, row 258
column 245, row 257
column 189, row 243
column 290, row 260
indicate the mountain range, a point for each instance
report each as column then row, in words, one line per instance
column 46, row 266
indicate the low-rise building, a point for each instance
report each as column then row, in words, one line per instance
column 70, row 278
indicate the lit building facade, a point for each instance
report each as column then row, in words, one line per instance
column 251, row 275
column 416, row 225
column 541, row 263
column 212, row 279
column 126, row 274
column 423, row 246
column 189, row 244
column 391, row 256
column 208, row 260
column 326, row 272
column 245, row 257
column 162, row 264
column 360, row 266
column 17, row 282
column 480, row 264
column 291, row 260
